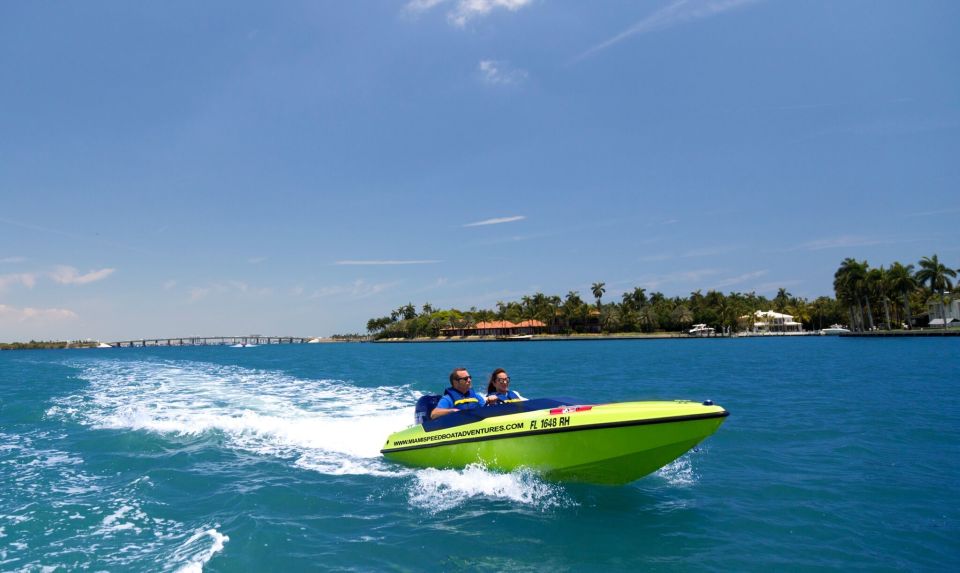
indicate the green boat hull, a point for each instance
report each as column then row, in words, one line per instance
column 607, row 444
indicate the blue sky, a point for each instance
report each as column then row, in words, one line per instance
column 296, row 168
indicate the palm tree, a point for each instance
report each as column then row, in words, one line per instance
column 900, row 280
column 598, row 290
column 682, row 315
column 934, row 272
column 876, row 284
column 848, row 283
column 781, row 300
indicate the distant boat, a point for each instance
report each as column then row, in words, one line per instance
column 516, row 337
column 834, row 330
column 243, row 345
column 701, row 330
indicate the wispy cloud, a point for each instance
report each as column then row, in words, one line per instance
column 387, row 262
column 169, row 285
column 689, row 277
column 676, row 13
column 946, row 211
column 11, row 260
column 28, row 314
column 690, row 254
column 357, row 289
column 70, row 276
column 463, row 11
column 226, row 288
column 739, row 279
column 497, row 221
column 25, row 279
column 256, row 260
column 844, row 241
column 773, row 287
column 500, row 73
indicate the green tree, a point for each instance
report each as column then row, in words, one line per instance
column 682, row 316
column 849, row 284
column 598, row 289
column 934, row 272
column 901, row 280
column 781, row 301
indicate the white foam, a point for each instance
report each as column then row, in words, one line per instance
column 195, row 553
column 329, row 426
column 679, row 472
column 441, row 490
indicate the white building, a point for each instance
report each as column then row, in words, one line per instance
column 936, row 311
column 768, row 321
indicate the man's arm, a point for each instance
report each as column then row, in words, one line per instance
column 437, row 412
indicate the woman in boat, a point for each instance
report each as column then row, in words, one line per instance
column 499, row 386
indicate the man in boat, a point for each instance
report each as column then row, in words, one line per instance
column 460, row 395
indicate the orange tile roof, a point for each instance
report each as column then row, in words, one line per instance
column 508, row 324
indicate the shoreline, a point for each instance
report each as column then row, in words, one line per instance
column 664, row 336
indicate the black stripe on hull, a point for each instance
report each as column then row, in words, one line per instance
column 601, row 426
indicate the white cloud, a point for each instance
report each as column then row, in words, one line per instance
column 678, row 12
column 25, row 279
column 844, row 241
column 423, row 5
column 9, row 260
column 223, row 288
column 69, row 275
column 169, row 285
column 499, row 73
column 387, row 262
column 465, row 10
column 198, row 293
column 357, row 289
column 496, row 221
column 709, row 251
column 739, row 279
column 689, row 277
column 11, row 314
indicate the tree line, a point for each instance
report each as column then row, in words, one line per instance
column 890, row 296
column 865, row 298
column 46, row 345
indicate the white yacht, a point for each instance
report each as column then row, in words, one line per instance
column 700, row 330
column 835, row 330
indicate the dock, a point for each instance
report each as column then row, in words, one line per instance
column 903, row 333
column 249, row 340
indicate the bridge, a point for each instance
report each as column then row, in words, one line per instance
column 253, row 339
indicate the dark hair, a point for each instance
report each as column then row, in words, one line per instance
column 453, row 375
column 491, row 388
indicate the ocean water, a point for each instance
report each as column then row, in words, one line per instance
column 839, row 453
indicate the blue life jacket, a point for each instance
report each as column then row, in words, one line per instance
column 467, row 401
column 506, row 397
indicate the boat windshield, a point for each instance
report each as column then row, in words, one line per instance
column 462, row 417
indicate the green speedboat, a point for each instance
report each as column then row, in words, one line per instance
column 601, row 443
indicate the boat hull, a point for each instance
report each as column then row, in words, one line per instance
column 609, row 443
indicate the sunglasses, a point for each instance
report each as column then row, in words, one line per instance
column 507, row 379
column 465, row 378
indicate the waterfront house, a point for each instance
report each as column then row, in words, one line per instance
column 939, row 312
column 768, row 321
column 497, row 328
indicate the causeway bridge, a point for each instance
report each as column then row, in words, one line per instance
column 250, row 340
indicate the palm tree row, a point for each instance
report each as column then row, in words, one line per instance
column 636, row 312
column 865, row 297
column 898, row 288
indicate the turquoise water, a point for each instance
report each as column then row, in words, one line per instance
column 839, row 453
